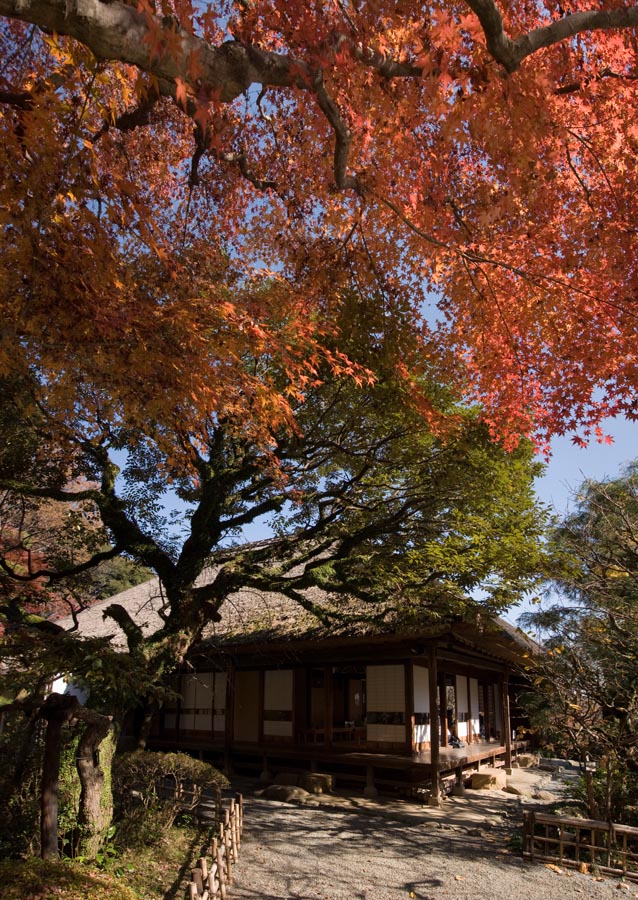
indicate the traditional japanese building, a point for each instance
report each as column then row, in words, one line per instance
column 383, row 698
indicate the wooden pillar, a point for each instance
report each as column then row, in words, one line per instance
column 443, row 714
column 370, row 790
column 435, row 760
column 487, row 722
column 299, row 703
column 57, row 710
column 178, row 713
column 459, row 786
column 265, row 772
column 470, row 733
column 505, row 716
column 229, row 716
column 260, row 706
column 328, row 699
column 409, row 706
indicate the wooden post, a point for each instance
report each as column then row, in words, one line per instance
column 329, row 706
column 58, row 709
column 234, row 839
column 239, row 800
column 260, row 706
column 435, row 762
column 197, row 880
column 470, row 734
column 213, row 882
column 409, row 706
column 229, row 717
column 443, row 714
column 459, row 787
column 265, row 774
column 227, row 848
column 370, row 790
column 505, row 715
column 50, row 787
column 178, row 712
column 221, row 872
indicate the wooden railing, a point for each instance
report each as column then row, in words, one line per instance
column 585, row 844
column 214, row 872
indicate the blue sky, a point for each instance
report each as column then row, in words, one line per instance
column 570, row 465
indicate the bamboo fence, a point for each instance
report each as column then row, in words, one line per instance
column 213, row 874
column 585, row 844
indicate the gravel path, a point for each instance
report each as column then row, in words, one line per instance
column 350, row 849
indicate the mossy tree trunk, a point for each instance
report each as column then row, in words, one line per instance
column 93, row 761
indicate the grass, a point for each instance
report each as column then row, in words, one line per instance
column 37, row 879
column 158, row 872
column 161, row 871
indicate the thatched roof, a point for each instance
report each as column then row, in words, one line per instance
column 142, row 602
column 253, row 617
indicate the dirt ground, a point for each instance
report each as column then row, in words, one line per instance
column 342, row 847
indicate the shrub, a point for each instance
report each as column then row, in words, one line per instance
column 151, row 789
column 21, row 744
column 609, row 793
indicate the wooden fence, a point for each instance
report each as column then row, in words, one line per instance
column 584, row 844
column 214, row 872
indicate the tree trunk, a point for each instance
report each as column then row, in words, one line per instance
column 609, row 777
column 57, row 710
column 93, row 762
column 591, row 802
column 149, row 711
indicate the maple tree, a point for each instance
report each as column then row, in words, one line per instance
column 360, row 481
column 392, row 522
column 472, row 155
column 192, row 195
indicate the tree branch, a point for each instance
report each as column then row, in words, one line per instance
column 121, row 616
column 511, row 53
column 134, row 35
column 18, row 99
column 59, row 574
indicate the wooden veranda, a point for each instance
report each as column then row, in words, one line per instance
column 406, row 773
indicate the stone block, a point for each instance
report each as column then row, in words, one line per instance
column 316, row 782
column 526, row 760
column 285, row 793
column 488, row 780
column 512, row 789
column 544, row 795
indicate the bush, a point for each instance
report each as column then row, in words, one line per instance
column 151, row 789
column 610, row 793
column 21, row 745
